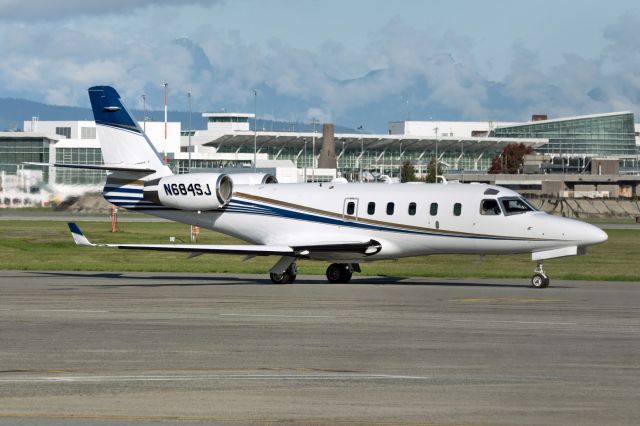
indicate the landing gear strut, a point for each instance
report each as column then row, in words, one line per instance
column 539, row 279
column 287, row 277
column 340, row 273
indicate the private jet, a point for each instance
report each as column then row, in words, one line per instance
column 344, row 224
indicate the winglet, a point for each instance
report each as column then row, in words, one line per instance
column 78, row 236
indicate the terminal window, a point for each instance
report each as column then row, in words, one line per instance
column 64, row 131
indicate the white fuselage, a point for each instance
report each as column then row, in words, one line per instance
column 331, row 213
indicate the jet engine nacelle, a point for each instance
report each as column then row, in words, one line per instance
column 252, row 178
column 193, row 191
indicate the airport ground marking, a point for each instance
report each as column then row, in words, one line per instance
column 89, row 311
column 199, row 419
column 514, row 322
column 507, row 300
column 235, row 377
column 276, row 315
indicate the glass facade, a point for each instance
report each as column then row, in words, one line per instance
column 15, row 151
column 78, row 176
column 597, row 135
column 351, row 159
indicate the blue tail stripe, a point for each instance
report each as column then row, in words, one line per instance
column 121, row 189
column 108, row 109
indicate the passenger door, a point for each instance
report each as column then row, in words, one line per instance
column 350, row 209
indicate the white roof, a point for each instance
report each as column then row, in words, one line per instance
column 228, row 114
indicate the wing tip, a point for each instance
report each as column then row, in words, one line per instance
column 78, row 236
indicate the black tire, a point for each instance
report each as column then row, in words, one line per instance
column 292, row 278
column 539, row 281
column 346, row 275
column 284, row 278
column 334, row 273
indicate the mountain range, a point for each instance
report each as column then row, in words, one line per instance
column 13, row 113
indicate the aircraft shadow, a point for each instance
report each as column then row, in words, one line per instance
column 151, row 281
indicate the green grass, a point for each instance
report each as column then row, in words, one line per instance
column 27, row 245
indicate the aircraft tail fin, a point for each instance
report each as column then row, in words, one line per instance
column 122, row 141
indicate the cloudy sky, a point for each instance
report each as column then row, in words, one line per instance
column 355, row 62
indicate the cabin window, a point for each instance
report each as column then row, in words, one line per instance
column 390, row 208
column 515, row 205
column 457, row 209
column 489, row 207
column 351, row 208
column 412, row 209
column 371, row 208
column 433, row 209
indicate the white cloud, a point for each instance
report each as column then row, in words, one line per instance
column 435, row 74
column 62, row 10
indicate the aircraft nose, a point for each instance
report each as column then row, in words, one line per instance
column 591, row 234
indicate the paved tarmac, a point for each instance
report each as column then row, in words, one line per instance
column 142, row 348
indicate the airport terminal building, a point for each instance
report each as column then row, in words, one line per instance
column 565, row 145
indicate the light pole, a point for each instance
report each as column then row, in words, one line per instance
column 306, row 159
column 189, row 95
column 435, row 129
column 462, row 159
column 166, row 94
column 144, row 113
column 313, row 151
column 255, row 128
column 361, row 151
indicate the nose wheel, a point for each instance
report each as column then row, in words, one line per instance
column 539, row 279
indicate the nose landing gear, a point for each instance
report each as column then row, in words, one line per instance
column 539, row 279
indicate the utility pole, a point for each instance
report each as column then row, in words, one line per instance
column 144, row 113
column 166, row 94
column 435, row 129
column 305, row 159
column 255, row 129
column 189, row 95
column 361, row 152
column 462, row 159
column 313, row 149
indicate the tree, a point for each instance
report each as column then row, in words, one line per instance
column 407, row 173
column 432, row 173
column 511, row 159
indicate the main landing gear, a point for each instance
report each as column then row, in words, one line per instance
column 287, row 277
column 340, row 273
column 337, row 273
column 539, row 279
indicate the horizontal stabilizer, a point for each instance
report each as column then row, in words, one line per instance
column 114, row 168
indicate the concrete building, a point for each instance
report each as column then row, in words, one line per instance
column 465, row 149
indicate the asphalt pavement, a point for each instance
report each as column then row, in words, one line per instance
column 80, row 348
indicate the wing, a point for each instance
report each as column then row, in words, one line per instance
column 365, row 248
column 251, row 250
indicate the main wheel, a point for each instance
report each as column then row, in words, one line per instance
column 334, row 273
column 339, row 273
column 539, row 281
column 346, row 275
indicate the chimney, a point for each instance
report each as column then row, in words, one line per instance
column 327, row 158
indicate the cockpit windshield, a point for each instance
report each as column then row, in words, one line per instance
column 515, row 205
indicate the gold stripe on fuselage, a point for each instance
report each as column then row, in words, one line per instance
column 376, row 222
